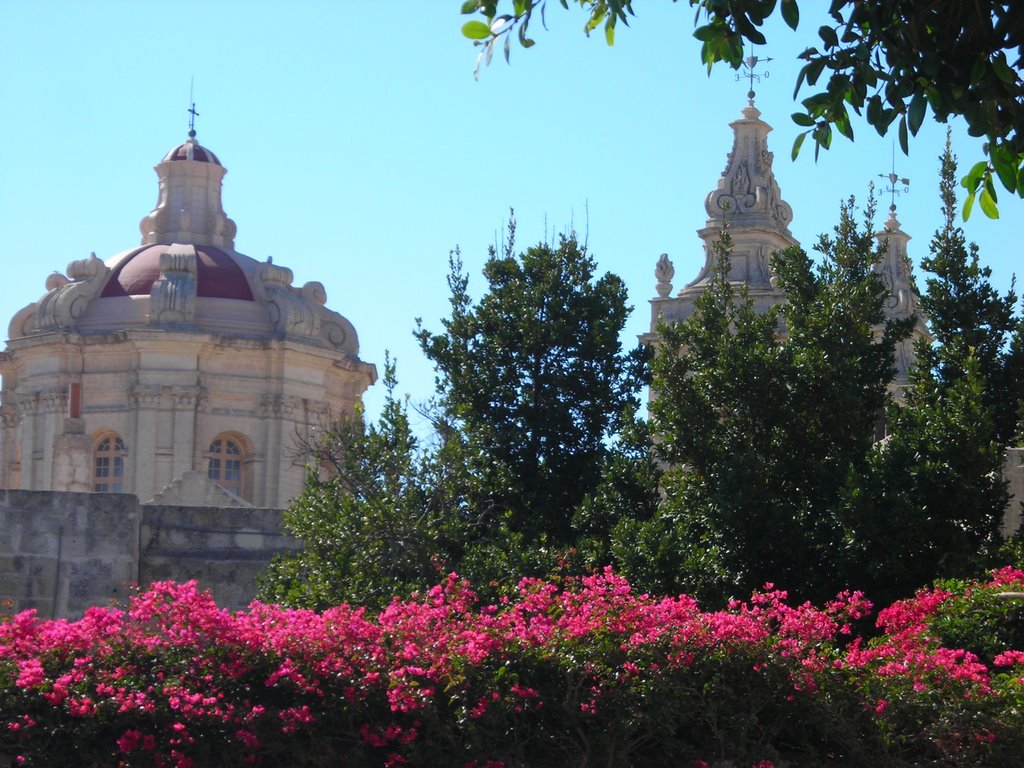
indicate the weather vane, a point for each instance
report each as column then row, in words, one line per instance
column 191, row 111
column 749, row 74
column 895, row 182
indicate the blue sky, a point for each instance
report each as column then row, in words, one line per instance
column 360, row 149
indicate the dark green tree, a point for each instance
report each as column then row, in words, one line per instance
column 938, row 473
column 931, row 500
column 890, row 61
column 534, row 380
column 969, row 317
column 768, row 419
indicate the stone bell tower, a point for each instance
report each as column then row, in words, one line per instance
column 746, row 200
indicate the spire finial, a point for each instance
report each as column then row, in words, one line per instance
column 892, row 178
column 191, row 111
column 749, row 64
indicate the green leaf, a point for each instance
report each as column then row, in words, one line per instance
column 842, row 123
column 707, row 32
column 915, row 114
column 974, row 176
column 1007, row 173
column 803, row 119
column 828, row 36
column 988, row 204
column 814, row 70
column 904, row 140
column 470, row 6
column 1005, row 163
column 476, row 30
column 978, row 70
column 596, row 17
column 989, row 186
column 800, row 79
column 1003, row 70
column 754, row 35
column 874, row 115
column 609, row 31
column 968, row 205
column 734, row 50
column 524, row 41
column 791, row 13
column 797, row 144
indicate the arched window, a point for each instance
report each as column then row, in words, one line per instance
column 108, row 465
column 225, row 464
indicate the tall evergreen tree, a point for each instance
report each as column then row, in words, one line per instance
column 768, row 417
column 934, row 488
column 969, row 317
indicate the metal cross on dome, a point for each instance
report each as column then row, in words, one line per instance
column 192, row 112
column 895, row 182
column 749, row 74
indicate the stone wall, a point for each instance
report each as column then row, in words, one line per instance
column 224, row 549
column 62, row 552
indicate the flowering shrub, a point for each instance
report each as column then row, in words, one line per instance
column 978, row 618
column 578, row 673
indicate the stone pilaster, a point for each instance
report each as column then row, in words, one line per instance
column 142, row 451
column 10, row 469
column 187, row 400
column 53, row 405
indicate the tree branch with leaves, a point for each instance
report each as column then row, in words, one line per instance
column 888, row 62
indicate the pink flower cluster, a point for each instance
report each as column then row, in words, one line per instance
column 440, row 679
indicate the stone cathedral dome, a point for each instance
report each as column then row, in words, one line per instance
column 186, row 273
column 170, row 351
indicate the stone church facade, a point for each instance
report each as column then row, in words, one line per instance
column 179, row 370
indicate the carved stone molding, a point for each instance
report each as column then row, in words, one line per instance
column 9, row 416
column 291, row 312
column 145, row 397
column 172, row 299
column 26, row 406
column 278, row 406
column 748, row 186
column 53, row 402
column 69, row 296
column 188, row 398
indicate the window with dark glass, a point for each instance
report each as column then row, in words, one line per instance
column 225, row 464
column 108, row 465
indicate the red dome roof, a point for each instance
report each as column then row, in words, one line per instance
column 191, row 150
column 218, row 276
